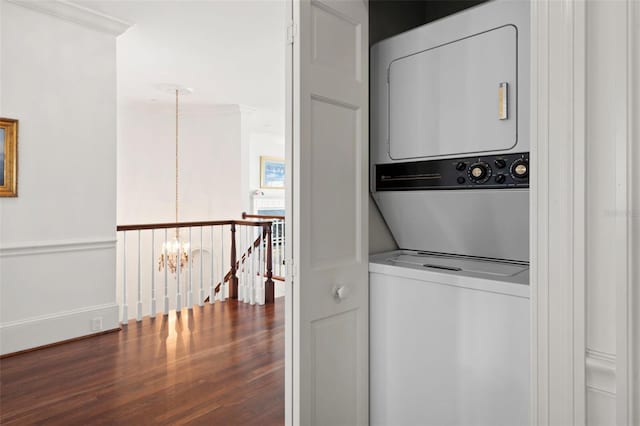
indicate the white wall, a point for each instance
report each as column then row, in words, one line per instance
column 59, row 80
column 211, row 184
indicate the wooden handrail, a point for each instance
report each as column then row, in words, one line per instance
column 262, row 216
column 188, row 224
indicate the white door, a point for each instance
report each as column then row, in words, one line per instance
column 328, row 207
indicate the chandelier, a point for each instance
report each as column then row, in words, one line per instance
column 175, row 253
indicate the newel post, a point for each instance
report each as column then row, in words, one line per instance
column 269, row 288
column 233, row 279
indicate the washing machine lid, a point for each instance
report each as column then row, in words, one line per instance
column 510, row 278
column 455, row 98
column 484, row 268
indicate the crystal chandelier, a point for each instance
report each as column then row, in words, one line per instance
column 175, row 253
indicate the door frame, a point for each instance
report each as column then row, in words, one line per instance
column 557, row 229
column 562, row 368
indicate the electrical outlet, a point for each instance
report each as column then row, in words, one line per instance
column 96, row 324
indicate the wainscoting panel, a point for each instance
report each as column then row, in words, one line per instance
column 26, row 334
column 54, row 290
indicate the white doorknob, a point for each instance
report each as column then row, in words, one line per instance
column 341, row 293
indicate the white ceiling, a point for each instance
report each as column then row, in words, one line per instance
column 229, row 52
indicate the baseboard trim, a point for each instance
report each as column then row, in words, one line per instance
column 21, row 335
column 51, row 345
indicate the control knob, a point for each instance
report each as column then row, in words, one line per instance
column 500, row 163
column 461, row 166
column 501, row 178
column 479, row 172
column 520, row 168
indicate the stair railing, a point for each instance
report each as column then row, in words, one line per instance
column 278, row 232
column 248, row 277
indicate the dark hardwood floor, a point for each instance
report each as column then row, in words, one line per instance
column 218, row 365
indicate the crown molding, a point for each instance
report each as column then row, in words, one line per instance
column 77, row 14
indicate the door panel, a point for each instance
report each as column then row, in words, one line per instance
column 330, row 211
column 333, row 180
column 334, row 351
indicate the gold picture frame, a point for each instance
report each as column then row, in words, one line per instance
column 8, row 157
column 272, row 173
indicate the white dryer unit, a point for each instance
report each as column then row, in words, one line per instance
column 450, row 133
column 449, row 341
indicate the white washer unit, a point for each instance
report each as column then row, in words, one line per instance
column 448, row 347
column 449, row 313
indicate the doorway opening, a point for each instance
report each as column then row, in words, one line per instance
column 201, row 194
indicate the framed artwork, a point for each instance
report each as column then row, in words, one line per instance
column 271, row 173
column 8, row 157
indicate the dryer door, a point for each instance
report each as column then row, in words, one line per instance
column 456, row 98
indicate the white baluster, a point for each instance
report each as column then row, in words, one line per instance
column 247, row 245
column 245, row 266
column 282, row 249
column 260, row 295
column 139, row 305
column 245, row 269
column 166, row 277
column 201, row 297
column 239, row 247
column 275, row 235
column 125, row 313
column 242, row 282
column 153, row 274
column 190, row 282
column 274, row 247
column 178, row 272
column 252, row 269
column 212, row 286
column 223, row 284
column 252, row 295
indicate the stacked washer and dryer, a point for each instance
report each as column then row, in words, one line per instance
column 449, row 312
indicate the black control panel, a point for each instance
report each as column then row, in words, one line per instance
column 491, row 171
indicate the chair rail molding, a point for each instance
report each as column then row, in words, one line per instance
column 62, row 246
column 75, row 13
